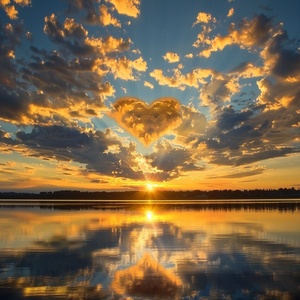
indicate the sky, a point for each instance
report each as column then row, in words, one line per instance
column 169, row 94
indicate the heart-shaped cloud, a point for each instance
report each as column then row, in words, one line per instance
column 147, row 122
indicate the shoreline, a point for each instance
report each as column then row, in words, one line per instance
column 283, row 204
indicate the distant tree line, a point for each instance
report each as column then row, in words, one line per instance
column 280, row 193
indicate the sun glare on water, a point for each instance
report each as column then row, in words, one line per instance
column 149, row 215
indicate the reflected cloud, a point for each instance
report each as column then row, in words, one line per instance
column 146, row 278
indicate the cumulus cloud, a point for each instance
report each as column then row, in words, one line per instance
column 127, row 7
column 249, row 34
column 249, row 70
column 74, row 37
column 106, row 18
column 123, row 68
column 149, row 85
column 10, row 9
column 219, row 90
column 65, row 85
column 190, row 55
column 147, row 122
column 171, row 57
column 230, row 12
column 97, row 13
column 205, row 18
column 192, row 127
column 228, row 118
column 92, row 148
column 174, row 160
column 179, row 80
column 102, row 153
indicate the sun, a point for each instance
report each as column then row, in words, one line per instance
column 150, row 187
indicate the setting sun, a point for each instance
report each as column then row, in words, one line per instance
column 150, row 187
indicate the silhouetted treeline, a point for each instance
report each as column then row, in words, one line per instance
column 158, row 195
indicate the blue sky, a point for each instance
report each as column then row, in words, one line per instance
column 117, row 94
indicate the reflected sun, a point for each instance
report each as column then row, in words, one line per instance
column 149, row 215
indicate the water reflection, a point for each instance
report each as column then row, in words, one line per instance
column 149, row 253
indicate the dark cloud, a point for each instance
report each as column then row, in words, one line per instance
column 266, row 154
column 241, row 174
column 173, row 160
column 10, row 38
column 218, row 90
column 228, row 118
column 74, row 38
column 234, row 138
column 14, row 105
column 104, row 153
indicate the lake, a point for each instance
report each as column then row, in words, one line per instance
column 150, row 250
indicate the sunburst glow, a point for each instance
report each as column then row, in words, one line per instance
column 150, row 187
column 149, row 215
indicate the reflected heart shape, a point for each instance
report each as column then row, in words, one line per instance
column 147, row 122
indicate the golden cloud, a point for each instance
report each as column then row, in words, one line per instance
column 203, row 17
column 230, row 12
column 11, row 10
column 127, row 7
column 147, row 122
column 106, row 18
column 171, row 57
column 146, row 278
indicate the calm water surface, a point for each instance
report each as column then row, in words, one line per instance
column 150, row 251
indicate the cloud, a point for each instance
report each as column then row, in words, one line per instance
column 228, row 118
column 190, row 55
column 149, row 85
column 219, row 90
column 249, row 70
column 242, row 173
column 96, row 14
column 205, row 18
column 103, row 153
column 74, row 37
column 192, row 128
column 179, row 80
column 247, row 136
column 173, row 160
column 11, row 10
column 92, row 149
column 147, row 122
column 248, row 34
column 15, row 105
column 127, row 7
column 106, row 18
column 146, row 278
column 265, row 154
column 230, row 12
column 123, row 68
column 171, row 57
column 64, row 86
